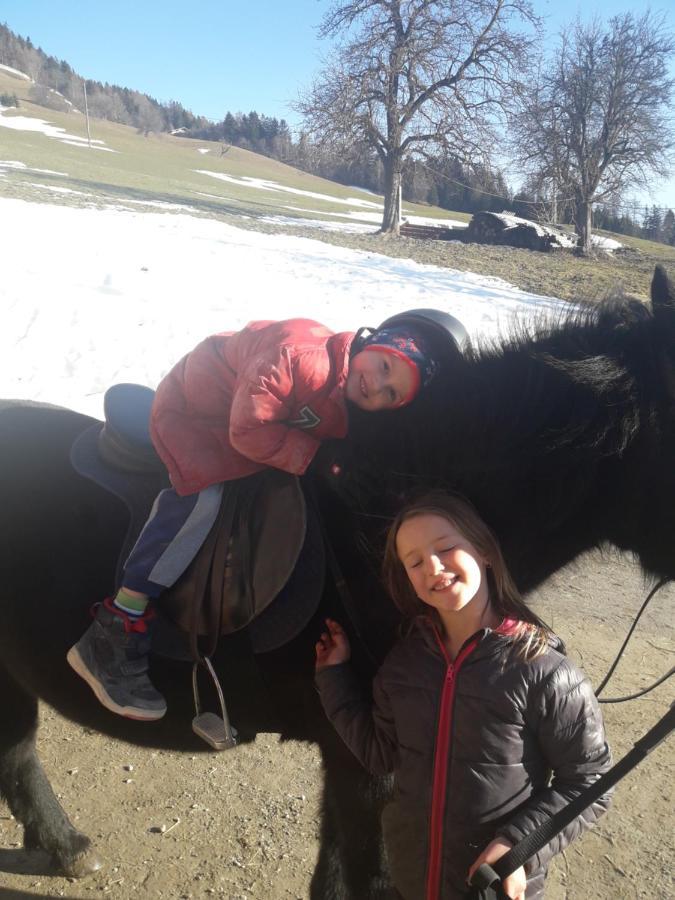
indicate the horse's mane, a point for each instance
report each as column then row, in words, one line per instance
column 570, row 380
column 555, row 396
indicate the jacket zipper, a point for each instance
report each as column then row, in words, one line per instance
column 441, row 761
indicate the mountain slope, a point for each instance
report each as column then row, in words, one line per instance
column 123, row 165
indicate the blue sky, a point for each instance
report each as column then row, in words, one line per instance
column 215, row 56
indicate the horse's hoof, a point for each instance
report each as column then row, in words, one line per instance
column 83, row 865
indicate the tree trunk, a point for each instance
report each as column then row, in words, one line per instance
column 583, row 222
column 392, row 185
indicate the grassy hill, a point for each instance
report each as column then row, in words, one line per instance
column 160, row 168
column 171, row 173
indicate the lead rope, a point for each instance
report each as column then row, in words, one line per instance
column 491, row 876
column 487, row 879
column 610, row 672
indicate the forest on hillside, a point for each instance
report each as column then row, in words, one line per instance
column 441, row 180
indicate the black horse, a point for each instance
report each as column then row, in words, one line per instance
column 565, row 441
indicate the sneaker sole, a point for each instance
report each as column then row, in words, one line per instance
column 129, row 712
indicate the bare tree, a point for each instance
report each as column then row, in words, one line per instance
column 148, row 115
column 596, row 120
column 413, row 75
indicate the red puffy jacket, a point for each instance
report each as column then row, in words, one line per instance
column 240, row 401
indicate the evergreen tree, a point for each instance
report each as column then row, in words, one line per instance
column 669, row 228
column 653, row 224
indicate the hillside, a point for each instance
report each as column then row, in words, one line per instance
column 125, row 169
column 123, row 165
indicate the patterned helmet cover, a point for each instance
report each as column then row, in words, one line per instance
column 405, row 341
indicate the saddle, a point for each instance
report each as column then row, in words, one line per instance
column 261, row 566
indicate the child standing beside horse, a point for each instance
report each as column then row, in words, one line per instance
column 240, row 402
column 488, row 727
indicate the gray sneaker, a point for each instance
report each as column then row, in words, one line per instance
column 112, row 657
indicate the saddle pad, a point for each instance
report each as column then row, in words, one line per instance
column 136, row 490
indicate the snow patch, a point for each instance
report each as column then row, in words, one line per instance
column 161, row 204
column 15, row 72
column 605, row 243
column 266, row 185
column 14, row 164
column 57, row 190
column 355, row 187
column 320, row 224
column 354, row 226
column 82, row 142
column 28, row 123
column 363, row 214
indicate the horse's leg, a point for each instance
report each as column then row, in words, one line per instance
column 27, row 791
column 351, row 863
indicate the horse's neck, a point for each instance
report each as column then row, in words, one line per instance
column 536, row 396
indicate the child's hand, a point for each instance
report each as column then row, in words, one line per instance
column 332, row 648
column 514, row 885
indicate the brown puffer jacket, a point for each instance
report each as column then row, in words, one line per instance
column 486, row 746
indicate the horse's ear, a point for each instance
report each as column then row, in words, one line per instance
column 663, row 292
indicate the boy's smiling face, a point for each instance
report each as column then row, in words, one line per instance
column 379, row 380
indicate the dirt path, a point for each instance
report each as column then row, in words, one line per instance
column 244, row 825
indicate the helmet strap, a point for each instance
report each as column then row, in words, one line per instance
column 360, row 336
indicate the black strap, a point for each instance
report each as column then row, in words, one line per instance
column 545, row 833
column 346, row 598
column 205, row 599
column 350, row 606
column 487, row 885
column 657, row 587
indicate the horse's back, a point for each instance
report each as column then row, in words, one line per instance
column 59, row 538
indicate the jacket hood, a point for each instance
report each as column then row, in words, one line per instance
column 339, row 347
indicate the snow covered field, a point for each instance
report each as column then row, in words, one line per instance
column 40, row 126
column 91, row 297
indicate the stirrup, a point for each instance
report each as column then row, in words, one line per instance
column 215, row 730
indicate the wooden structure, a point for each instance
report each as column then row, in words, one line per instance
column 432, row 232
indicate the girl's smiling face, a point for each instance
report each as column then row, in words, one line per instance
column 378, row 380
column 445, row 569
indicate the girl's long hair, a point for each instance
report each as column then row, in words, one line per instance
column 532, row 636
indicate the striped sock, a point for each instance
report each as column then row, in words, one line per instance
column 132, row 606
